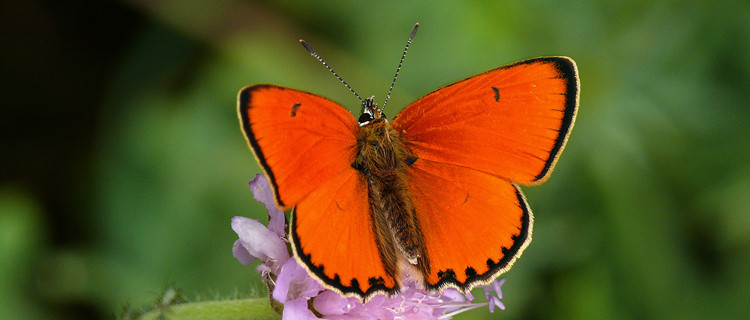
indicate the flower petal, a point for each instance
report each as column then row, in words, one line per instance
column 259, row 241
column 293, row 282
column 331, row 303
column 241, row 253
column 263, row 193
column 497, row 286
column 469, row 296
column 297, row 309
column 494, row 300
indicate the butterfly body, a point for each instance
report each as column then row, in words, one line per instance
column 435, row 190
column 382, row 158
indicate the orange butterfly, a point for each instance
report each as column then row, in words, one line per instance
column 434, row 193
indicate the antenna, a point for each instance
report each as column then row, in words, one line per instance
column 408, row 43
column 312, row 52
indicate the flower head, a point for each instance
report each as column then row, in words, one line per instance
column 293, row 286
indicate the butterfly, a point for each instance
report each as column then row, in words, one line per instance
column 433, row 194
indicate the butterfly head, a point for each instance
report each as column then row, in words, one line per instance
column 371, row 113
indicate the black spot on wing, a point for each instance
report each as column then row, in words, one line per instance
column 359, row 168
column 447, row 275
column 379, row 281
column 410, row 160
column 295, row 106
column 497, row 93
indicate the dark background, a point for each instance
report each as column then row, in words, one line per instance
column 123, row 161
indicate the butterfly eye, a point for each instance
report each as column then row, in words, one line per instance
column 365, row 118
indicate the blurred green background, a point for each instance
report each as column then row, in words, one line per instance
column 123, row 161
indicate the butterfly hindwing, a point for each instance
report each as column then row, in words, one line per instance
column 306, row 145
column 333, row 234
column 475, row 225
column 511, row 122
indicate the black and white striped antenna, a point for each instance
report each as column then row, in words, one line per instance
column 403, row 56
column 369, row 101
column 314, row 54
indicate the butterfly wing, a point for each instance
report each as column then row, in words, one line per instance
column 474, row 224
column 332, row 233
column 306, row 144
column 511, row 122
column 473, row 141
column 300, row 139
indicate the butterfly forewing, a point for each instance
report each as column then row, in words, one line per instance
column 511, row 122
column 299, row 138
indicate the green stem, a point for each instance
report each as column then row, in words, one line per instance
column 256, row 308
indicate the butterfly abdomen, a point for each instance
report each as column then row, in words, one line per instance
column 383, row 159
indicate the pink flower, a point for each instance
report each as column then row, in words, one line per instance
column 293, row 287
